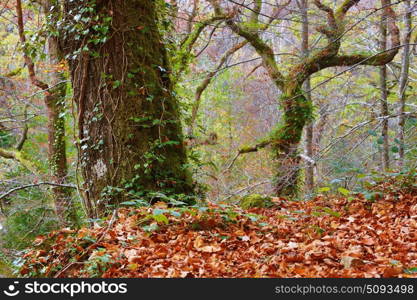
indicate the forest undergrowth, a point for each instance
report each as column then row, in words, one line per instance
column 370, row 234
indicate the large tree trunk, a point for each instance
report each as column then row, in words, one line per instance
column 130, row 136
column 287, row 137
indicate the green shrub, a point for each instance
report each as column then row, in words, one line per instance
column 255, row 200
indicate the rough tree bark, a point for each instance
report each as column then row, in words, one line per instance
column 130, row 136
column 297, row 109
column 54, row 98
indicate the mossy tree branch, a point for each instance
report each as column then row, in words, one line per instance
column 328, row 57
column 254, row 19
column 260, row 145
column 261, row 47
column 184, row 53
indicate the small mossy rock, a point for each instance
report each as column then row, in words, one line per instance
column 255, row 200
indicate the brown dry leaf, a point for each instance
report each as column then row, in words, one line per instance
column 362, row 240
column 240, row 233
column 351, row 262
column 200, row 245
column 392, row 271
column 39, row 240
column 210, row 248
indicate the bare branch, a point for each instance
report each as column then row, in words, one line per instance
column 192, row 16
column 254, row 18
column 253, row 70
column 35, row 185
column 252, row 186
column 330, row 13
column 344, row 8
column 202, row 87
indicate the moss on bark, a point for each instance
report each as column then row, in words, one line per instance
column 286, row 137
column 129, row 125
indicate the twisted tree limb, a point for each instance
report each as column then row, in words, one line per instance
column 203, row 86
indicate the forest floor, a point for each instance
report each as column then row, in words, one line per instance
column 330, row 236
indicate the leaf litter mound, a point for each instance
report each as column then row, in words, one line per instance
column 329, row 236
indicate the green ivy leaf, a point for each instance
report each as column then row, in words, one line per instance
column 343, row 191
column 137, row 202
column 161, row 219
column 331, row 212
column 394, row 149
column 77, row 17
column 323, row 189
column 116, row 84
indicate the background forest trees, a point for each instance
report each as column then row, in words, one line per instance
column 109, row 102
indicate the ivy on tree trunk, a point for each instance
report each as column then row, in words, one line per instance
column 130, row 135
